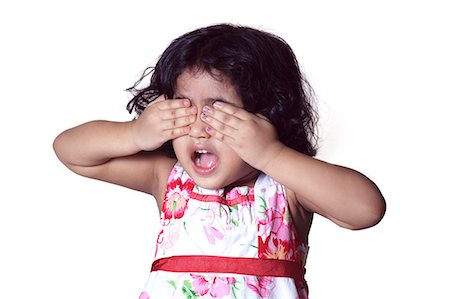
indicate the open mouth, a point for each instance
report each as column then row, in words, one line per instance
column 204, row 161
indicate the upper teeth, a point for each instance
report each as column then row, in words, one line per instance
column 201, row 151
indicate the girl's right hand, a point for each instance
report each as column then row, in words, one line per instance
column 162, row 121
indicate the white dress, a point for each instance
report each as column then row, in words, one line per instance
column 241, row 244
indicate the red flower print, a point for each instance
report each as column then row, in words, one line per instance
column 177, row 197
column 273, row 248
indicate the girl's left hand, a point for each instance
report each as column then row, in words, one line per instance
column 250, row 135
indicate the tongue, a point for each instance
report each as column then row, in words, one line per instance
column 207, row 160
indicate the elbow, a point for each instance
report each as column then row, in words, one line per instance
column 369, row 206
column 57, row 147
column 60, row 149
column 370, row 213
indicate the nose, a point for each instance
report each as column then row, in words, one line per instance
column 198, row 128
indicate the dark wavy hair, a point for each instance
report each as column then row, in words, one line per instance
column 260, row 66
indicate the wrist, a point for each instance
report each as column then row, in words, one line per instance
column 125, row 138
column 136, row 140
column 270, row 155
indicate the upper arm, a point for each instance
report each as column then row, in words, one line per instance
column 143, row 171
column 301, row 217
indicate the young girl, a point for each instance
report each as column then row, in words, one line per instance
column 224, row 140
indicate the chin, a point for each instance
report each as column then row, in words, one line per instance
column 207, row 182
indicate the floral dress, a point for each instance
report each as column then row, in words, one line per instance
column 241, row 244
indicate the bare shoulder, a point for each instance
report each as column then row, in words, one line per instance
column 144, row 171
column 149, row 172
column 301, row 217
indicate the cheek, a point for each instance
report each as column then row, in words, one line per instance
column 176, row 143
column 230, row 155
column 178, row 146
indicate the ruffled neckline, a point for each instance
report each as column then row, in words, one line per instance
column 233, row 197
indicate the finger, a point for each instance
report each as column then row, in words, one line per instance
column 179, row 122
column 177, row 132
column 223, row 117
column 231, row 109
column 177, row 113
column 219, row 136
column 174, row 104
column 218, row 126
column 157, row 100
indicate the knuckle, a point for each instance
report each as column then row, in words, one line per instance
column 222, row 127
column 225, row 118
column 188, row 120
column 174, row 133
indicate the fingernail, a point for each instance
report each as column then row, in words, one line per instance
column 208, row 129
column 217, row 104
column 194, row 110
column 203, row 116
column 206, row 109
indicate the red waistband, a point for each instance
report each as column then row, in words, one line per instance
column 237, row 265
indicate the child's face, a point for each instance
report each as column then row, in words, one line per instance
column 211, row 163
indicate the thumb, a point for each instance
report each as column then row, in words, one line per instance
column 161, row 98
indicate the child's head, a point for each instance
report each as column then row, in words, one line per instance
column 260, row 66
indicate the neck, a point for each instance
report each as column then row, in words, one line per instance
column 248, row 180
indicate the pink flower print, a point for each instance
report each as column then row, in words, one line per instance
column 168, row 238
column 235, row 192
column 221, row 286
column 279, row 227
column 261, row 285
column 144, row 295
column 212, row 234
column 217, row 287
column 201, row 285
column 274, row 224
column 244, row 195
column 277, row 201
column 159, row 241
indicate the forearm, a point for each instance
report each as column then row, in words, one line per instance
column 95, row 143
column 343, row 195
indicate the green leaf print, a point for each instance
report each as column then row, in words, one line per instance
column 173, row 283
column 234, row 288
column 232, row 208
column 188, row 290
column 263, row 206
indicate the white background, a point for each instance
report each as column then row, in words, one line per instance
column 381, row 74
